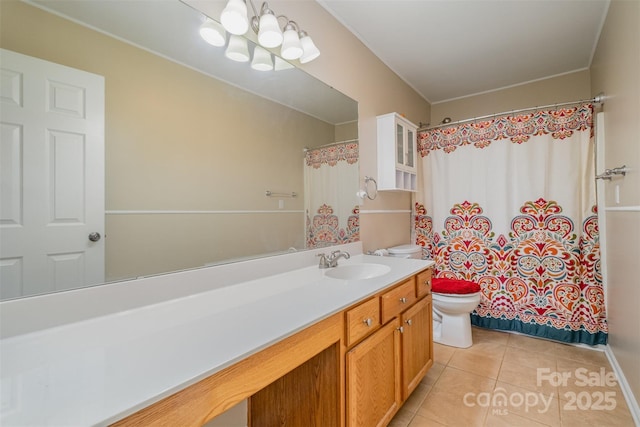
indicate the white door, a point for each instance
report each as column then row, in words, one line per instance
column 51, row 176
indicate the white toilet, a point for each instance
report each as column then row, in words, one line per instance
column 406, row 251
column 451, row 311
column 451, row 317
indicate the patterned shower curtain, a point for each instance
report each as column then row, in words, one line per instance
column 510, row 203
column 331, row 204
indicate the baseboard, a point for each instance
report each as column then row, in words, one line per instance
column 632, row 403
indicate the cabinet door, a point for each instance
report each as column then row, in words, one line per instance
column 410, row 161
column 400, row 144
column 417, row 351
column 373, row 378
column 405, row 147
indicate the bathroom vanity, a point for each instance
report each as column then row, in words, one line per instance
column 300, row 346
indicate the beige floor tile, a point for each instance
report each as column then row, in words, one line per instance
column 532, row 405
column 446, row 401
column 433, row 374
column 482, row 335
column 417, row 397
column 529, row 377
column 582, row 383
column 479, row 363
column 533, row 344
column 402, row 418
column 419, row 421
column 518, row 356
column 572, row 415
column 442, row 353
column 526, row 366
column 489, row 348
column 582, row 354
column 510, row 420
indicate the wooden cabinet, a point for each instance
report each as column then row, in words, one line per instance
column 373, row 378
column 388, row 364
column 397, row 153
column 417, row 351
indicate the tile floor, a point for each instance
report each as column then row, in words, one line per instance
column 514, row 380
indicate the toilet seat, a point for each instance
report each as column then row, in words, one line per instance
column 447, row 286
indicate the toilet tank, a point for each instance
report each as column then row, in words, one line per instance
column 406, row 251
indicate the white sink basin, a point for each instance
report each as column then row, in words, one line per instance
column 357, row 271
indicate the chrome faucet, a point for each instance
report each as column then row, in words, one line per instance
column 331, row 260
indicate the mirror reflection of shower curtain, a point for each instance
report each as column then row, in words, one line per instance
column 331, row 205
column 510, row 203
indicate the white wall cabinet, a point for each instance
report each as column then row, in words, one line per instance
column 397, row 153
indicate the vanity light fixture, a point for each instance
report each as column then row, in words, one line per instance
column 295, row 43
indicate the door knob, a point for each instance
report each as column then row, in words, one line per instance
column 94, row 237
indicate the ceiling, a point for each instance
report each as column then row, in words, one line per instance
column 449, row 49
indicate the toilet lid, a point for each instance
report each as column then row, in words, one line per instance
column 454, row 286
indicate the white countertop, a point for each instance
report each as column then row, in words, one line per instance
column 97, row 371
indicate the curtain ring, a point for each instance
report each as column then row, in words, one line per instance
column 368, row 179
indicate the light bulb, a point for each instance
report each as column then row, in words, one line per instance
column 269, row 34
column 234, row 17
column 237, row 49
column 261, row 59
column 291, row 46
column 310, row 51
column 213, row 33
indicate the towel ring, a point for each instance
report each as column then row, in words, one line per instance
column 367, row 180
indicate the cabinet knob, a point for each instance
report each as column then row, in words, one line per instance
column 368, row 321
column 401, row 329
column 427, row 282
column 403, row 300
column 408, row 322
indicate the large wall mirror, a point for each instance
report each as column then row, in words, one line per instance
column 204, row 158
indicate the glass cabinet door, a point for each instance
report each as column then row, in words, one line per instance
column 410, row 148
column 399, row 144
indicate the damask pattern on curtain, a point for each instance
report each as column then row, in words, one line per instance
column 331, row 207
column 510, row 203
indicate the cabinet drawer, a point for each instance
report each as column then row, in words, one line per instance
column 362, row 320
column 398, row 299
column 423, row 284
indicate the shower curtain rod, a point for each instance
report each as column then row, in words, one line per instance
column 305, row 149
column 599, row 99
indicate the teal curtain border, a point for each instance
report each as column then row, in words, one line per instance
column 541, row 331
